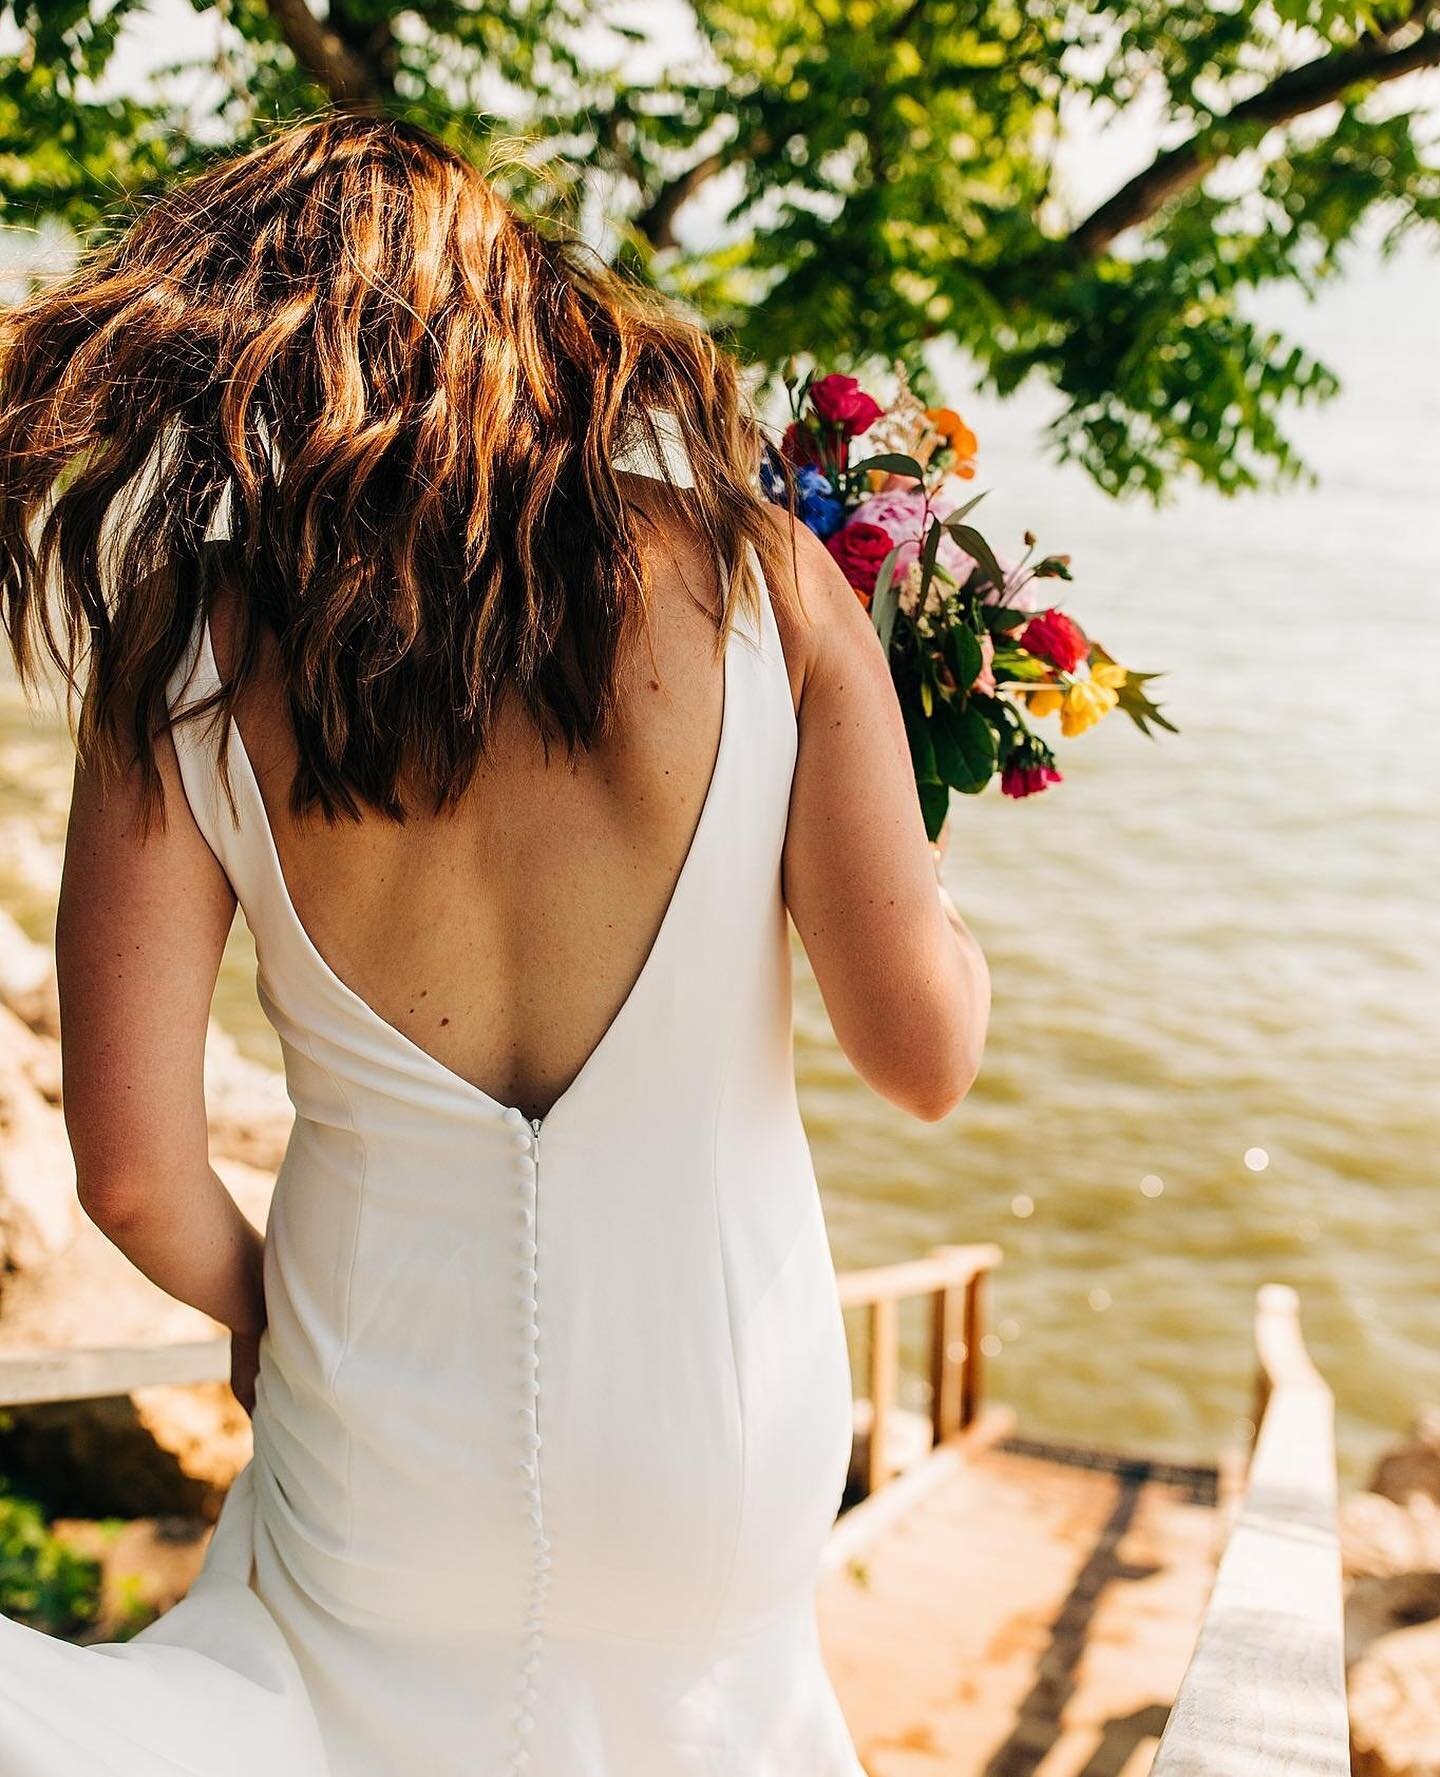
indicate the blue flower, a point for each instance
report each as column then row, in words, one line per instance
column 816, row 502
column 817, row 505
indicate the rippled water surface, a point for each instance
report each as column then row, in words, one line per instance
column 1227, row 943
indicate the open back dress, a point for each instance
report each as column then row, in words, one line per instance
column 553, row 1416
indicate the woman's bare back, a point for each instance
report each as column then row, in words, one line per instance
column 503, row 937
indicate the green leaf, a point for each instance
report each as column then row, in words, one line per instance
column 965, row 510
column 890, row 462
column 965, row 748
column 962, row 649
column 1137, row 705
column 974, row 544
column 928, row 552
column 1001, row 619
column 1015, row 663
column 934, row 805
column 922, row 745
column 885, row 601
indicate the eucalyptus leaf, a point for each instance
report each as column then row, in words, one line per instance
column 928, row 553
column 886, row 599
column 974, row 544
column 965, row 510
column 890, row 462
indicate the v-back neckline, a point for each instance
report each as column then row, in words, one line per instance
column 250, row 782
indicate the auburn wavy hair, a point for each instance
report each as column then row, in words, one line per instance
column 405, row 410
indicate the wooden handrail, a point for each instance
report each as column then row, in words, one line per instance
column 32, row 1377
column 1264, row 1695
column 946, row 1267
column 953, row 1277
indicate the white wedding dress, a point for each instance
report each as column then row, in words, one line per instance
column 553, row 1419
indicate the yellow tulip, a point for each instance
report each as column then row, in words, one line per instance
column 1108, row 673
column 1045, row 703
column 1086, row 703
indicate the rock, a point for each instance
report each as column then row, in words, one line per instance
column 1383, row 1604
column 27, row 979
column 1394, row 1690
column 1412, row 1467
column 250, row 1112
column 39, row 1216
column 1380, row 1538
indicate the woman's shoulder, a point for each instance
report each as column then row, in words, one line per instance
column 824, row 629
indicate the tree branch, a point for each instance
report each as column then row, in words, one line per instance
column 1287, row 97
column 656, row 222
column 324, row 55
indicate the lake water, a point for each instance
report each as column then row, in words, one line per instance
column 1221, row 945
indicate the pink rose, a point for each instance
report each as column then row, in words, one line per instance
column 905, row 515
column 860, row 550
column 840, row 401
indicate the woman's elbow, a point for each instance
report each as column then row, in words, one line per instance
column 933, row 1092
column 928, row 1075
column 114, row 1179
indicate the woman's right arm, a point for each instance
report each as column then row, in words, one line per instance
column 904, row 982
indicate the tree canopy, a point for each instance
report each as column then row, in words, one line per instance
column 848, row 178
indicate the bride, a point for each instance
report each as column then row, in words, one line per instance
column 413, row 578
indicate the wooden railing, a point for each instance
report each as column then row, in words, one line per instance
column 1264, row 1695
column 30, row 1378
column 953, row 1277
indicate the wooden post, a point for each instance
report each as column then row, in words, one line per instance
column 972, row 1386
column 884, row 1373
column 947, row 1357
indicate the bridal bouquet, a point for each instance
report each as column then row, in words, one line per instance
column 975, row 652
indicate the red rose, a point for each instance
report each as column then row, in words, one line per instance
column 1053, row 636
column 860, row 550
column 798, row 445
column 1027, row 778
column 840, row 401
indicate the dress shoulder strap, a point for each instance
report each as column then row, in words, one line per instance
column 226, row 819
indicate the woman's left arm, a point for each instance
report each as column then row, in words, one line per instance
column 143, row 921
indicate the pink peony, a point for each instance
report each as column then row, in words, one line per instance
column 860, row 550
column 1024, row 778
column 1057, row 638
column 905, row 515
column 840, row 401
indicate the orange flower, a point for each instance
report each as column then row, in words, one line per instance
column 958, row 436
